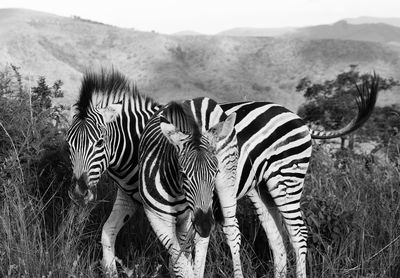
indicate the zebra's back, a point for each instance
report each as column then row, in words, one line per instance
column 270, row 139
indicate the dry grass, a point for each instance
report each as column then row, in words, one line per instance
column 353, row 215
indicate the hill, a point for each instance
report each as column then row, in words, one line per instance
column 342, row 30
column 179, row 67
column 256, row 32
column 187, row 33
column 395, row 21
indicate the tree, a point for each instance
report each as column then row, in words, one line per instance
column 27, row 116
column 57, row 92
column 41, row 96
column 331, row 104
column 10, row 82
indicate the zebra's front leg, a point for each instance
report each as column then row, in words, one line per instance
column 183, row 226
column 165, row 228
column 123, row 209
column 185, row 233
column 201, row 245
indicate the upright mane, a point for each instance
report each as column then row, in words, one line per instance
column 182, row 117
column 104, row 87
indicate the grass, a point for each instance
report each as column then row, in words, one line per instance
column 352, row 208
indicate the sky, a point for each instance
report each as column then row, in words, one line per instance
column 211, row 16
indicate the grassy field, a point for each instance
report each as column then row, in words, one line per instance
column 352, row 207
column 351, row 204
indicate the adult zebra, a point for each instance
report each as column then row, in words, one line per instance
column 274, row 153
column 104, row 135
column 274, row 145
column 182, row 161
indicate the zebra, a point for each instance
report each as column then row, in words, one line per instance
column 182, row 161
column 111, row 115
column 274, row 152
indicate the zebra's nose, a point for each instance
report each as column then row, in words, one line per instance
column 81, row 187
column 83, row 181
column 203, row 222
column 80, row 190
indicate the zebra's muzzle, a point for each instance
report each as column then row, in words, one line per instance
column 203, row 222
column 81, row 194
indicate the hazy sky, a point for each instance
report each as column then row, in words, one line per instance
column 211, row 16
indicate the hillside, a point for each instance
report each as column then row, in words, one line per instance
column 256, row 32
column 342, row 30
column 178, row 67
column 395, row 21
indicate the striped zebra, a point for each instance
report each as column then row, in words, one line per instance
column 110, row 115
column 182, row 161
column 274, row 152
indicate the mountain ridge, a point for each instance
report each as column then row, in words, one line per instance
column 394, row 21
column 170, row 67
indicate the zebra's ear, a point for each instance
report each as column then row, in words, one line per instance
column 111, row 112
column 224, row 129
column 174, row 136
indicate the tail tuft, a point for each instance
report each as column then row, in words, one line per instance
column 366, row 100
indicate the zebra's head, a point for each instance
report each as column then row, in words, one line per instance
column 89, row 146
column 198, row 167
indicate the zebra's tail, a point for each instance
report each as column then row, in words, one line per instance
column 366, row 99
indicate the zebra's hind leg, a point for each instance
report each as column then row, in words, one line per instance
column 286, row 193
column 122, row 210
column 270, row 221
column 165, row 228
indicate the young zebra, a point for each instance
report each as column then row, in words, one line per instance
column 182, row 161
column 274, row 151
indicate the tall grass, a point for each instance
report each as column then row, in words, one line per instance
column 352, row 210
column 351, row 205
column 29, row 249
column 353, row 213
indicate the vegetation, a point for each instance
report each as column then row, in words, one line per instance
column 332, row 104
column 351, row 204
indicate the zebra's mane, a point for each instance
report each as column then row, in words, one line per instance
column 181, row 116
column 105, row 87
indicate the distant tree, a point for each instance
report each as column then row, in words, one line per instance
column 331, row 104
column 42, row 94
column 384, row 124
column 27, row 116
column 18, row 78
column 57, row 92
column 10, row 81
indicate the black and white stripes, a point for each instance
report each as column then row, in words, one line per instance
column 269, row 150
column 180, row 155
column 104, row 135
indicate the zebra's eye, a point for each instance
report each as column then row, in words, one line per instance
column 99, row 143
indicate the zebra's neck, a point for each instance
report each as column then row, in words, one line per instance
column 124, row 135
